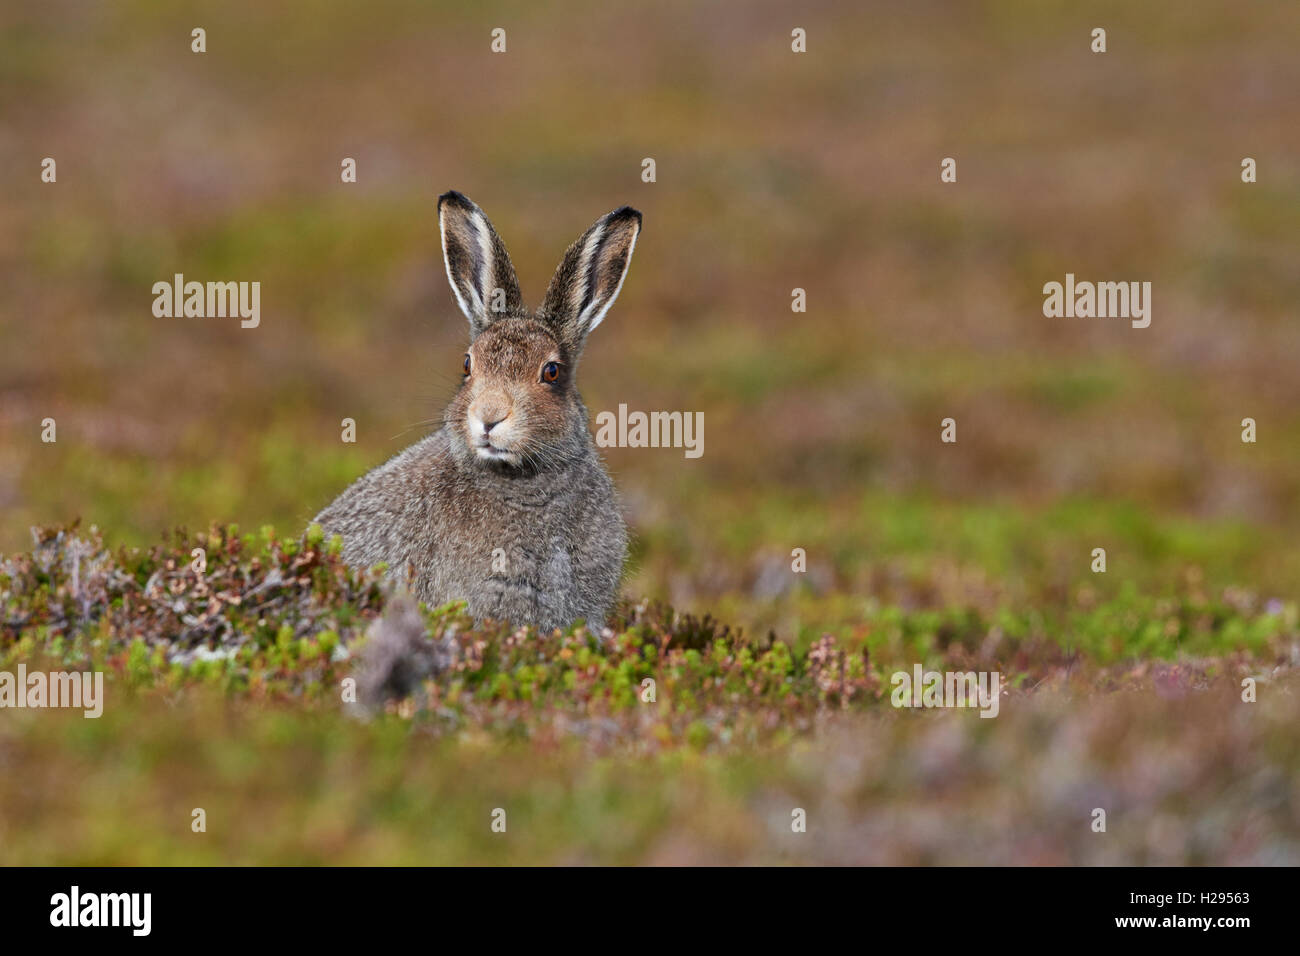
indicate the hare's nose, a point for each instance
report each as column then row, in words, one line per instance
column 489, row 412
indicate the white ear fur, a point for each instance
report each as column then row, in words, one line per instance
column 474, row 308
column 599, row 307
column 590, row 276
column 478, row 267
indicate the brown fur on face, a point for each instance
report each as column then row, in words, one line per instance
column 532, row 421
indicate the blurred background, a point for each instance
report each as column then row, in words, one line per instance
column 775, row 170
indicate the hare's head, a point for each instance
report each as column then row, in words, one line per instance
column 517, row 406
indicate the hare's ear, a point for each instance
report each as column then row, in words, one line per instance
column 478, row 268
column 589, row 277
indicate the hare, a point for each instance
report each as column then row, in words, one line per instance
column 507, row 506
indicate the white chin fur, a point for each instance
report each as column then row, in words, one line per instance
column 496, row 454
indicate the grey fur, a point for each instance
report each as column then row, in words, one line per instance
column 526, row 528
column 399, row 656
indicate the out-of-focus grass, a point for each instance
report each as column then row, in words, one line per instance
column 1208, row 780
column 226, row 690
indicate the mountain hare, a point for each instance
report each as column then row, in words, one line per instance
column 507, row 506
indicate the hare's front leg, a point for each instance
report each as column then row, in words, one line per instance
column 599, row 551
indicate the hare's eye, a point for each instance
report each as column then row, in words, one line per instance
column 551, row 372
column 466, row 366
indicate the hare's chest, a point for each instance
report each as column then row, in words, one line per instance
column 517, row 563
column 535, row 550
column 526, row 584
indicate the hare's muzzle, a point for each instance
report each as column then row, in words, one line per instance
column 491, row 424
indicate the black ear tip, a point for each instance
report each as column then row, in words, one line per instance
column 625, row 214
column 453, row 198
